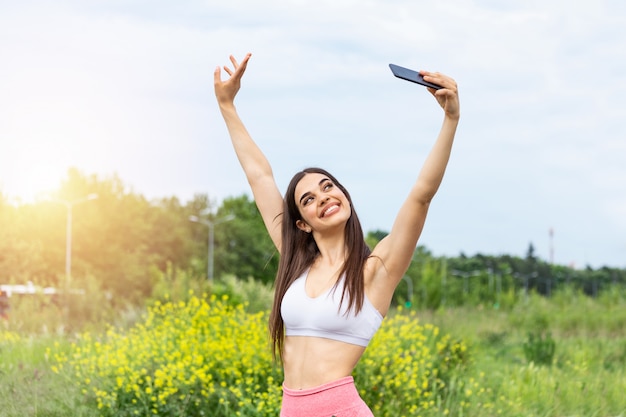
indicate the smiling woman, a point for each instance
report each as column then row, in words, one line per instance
column 335, row 209
column 325, row 269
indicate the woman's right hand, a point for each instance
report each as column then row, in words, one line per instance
column 448, row 96
column 225, row 91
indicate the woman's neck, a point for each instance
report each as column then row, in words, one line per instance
column 332, row 252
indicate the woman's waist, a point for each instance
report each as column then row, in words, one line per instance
column 311, row 379
column 310, row 361
column 321, row 388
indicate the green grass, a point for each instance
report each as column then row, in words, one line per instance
column 27, row 385
column 585, row 377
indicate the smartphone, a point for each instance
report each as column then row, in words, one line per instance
column 410, row 75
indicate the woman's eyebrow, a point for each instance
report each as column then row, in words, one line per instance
column 322, row 181
column 304, row 196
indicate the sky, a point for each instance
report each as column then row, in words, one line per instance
column 125, row 88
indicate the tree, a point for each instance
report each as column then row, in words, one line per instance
column 373, row 237
column 243, row 246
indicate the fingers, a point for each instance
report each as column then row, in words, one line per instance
column 448, row 96
column 217, row 75
column 234, row 61
column 244, row 63
column 450, row 87
column 235, row 65
column 227, row 90
column 238, row 67
column 440, row 79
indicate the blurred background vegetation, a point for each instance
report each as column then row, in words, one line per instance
column 126, row 250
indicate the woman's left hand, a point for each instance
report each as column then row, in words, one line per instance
column 448, row 96
column 225, row 91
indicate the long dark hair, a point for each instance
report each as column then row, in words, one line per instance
column 299, row 250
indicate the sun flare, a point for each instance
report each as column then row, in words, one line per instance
column 31, row 177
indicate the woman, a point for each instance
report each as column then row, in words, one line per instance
column 331, row 292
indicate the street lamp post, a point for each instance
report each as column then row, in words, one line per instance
column 211, row 225
column 68, row 235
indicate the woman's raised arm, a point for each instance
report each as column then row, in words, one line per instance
column 396, row 249
column 254, row 163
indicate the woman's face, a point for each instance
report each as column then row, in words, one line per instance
column 321, row 203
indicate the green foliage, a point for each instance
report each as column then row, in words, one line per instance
column 536, row 313
column 187, row 358
column 409, row 367
column 588, row 376
column 192, row 358
column 448, row 282
column 373, row 237
column 125, row 242
column 615, row 360
column 47, row 314
column 539, row 348
column 246, row 250
column 178, row 285
column 127, row 250
column 116, row 238
column 28, row 388
column 255, row 295
column 24, row 254
column 175, row 285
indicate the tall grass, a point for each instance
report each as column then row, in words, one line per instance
column 585, row 376
column 28, row 387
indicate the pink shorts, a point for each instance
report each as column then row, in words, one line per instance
column 337, row 398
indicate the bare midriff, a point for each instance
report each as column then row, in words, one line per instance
column 312, row 361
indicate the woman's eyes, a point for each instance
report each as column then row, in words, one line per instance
column 325, row 187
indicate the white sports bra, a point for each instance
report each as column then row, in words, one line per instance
column 321, row 317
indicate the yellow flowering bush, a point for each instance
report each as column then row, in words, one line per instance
column 408, row 367
column 201, row 357
column 212, row 358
